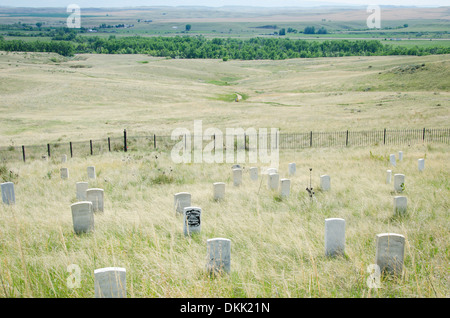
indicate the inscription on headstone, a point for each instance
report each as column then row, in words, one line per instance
column 82, row 217
column 192, row 220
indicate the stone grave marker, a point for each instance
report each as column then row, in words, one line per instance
column 399, row 182
column 285, row 187
column 392, row 159
column 63, row 158
column 273, row 181
column 253, row 173
column 237, row 177
column 82, row 217
column 400, row 204
column 181, row 200
column 191, row 220
column 325, row 182
column 219, row 255
column 292, row 168
column 64, row 173
column 81, row 190
column 421, row 164
column 390, row 252
column 334, row 236
column 219, row 190
column 400, row 155
column 91, row 172
column 8, row 194
column 95, row 196
column 388, row 176
column 110, row 282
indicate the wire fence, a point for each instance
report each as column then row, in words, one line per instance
column 279, row 141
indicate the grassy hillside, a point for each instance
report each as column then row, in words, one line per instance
column 49, row 98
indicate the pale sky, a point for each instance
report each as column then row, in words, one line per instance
column 214, row 3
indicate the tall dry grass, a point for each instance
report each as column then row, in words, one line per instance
column 277, row 246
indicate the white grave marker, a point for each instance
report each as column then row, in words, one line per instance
column 388, row 176
column 237, row 177
column 219, row 255
column 399, row 182
column 91, row 172
column 334, row 236
column 400, row 155
column 63, row 158
column 181, row 200
column 400, row 204
column 82, row 217
column 64, row 173
column 191, row 220
column 325, row 182
column 253, row 173
column 81, row 190
column 389, row 253
column 392, row 159
column 285, row 187
column 273, row 181
column 8, row 195
column 219, row 190
column 110, row 282
column 292, row 169
column 421, row 164
column 95, row 196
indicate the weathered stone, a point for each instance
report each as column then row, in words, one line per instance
column 421, row 164
column 388, row 176
column 181, row 200
column 110, row 282
column 8, row 194
column 334, row 236
column 81, row 190
column 273, row 181
column 219, row 255
column 253, row 173
column 237, row 177
column 192, row 220
column 285, row 187
column 392, row 159
column 325, row 182
column 91, row 172
column 399, row 182
column 82, row 217
column 95, row 196
column 400, row 204
column 390, row 252
column 219, row 190
column 292, row 168
column 64, row 173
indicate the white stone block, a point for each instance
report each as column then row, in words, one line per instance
column 8, row 194
column 192, row 220
column 388, row 176
column 253, row 173
column 273, row 181
column 81, row 190
column 285, row 187
column 399, row 182
column 325, row 182
column 181, row 200
column 292, row 169
column 400, row 155
column 63, row 158
column 110, row 282
column 82, row 217
column 392, row 159
column 237, row 177
column 95, row 196
column 219, row 190
column 64, row 173
column 334, row 236
column 390, row 252
column 219, row 255
column 91, row 172
column 421, row 164
column 400, row 204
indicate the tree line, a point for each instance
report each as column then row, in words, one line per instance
column 198, row 47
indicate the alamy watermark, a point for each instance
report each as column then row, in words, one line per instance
column 74, row 19
column 374, row 20
column 262, row 146
column 373, row 281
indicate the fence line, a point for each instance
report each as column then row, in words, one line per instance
column 284, row 141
